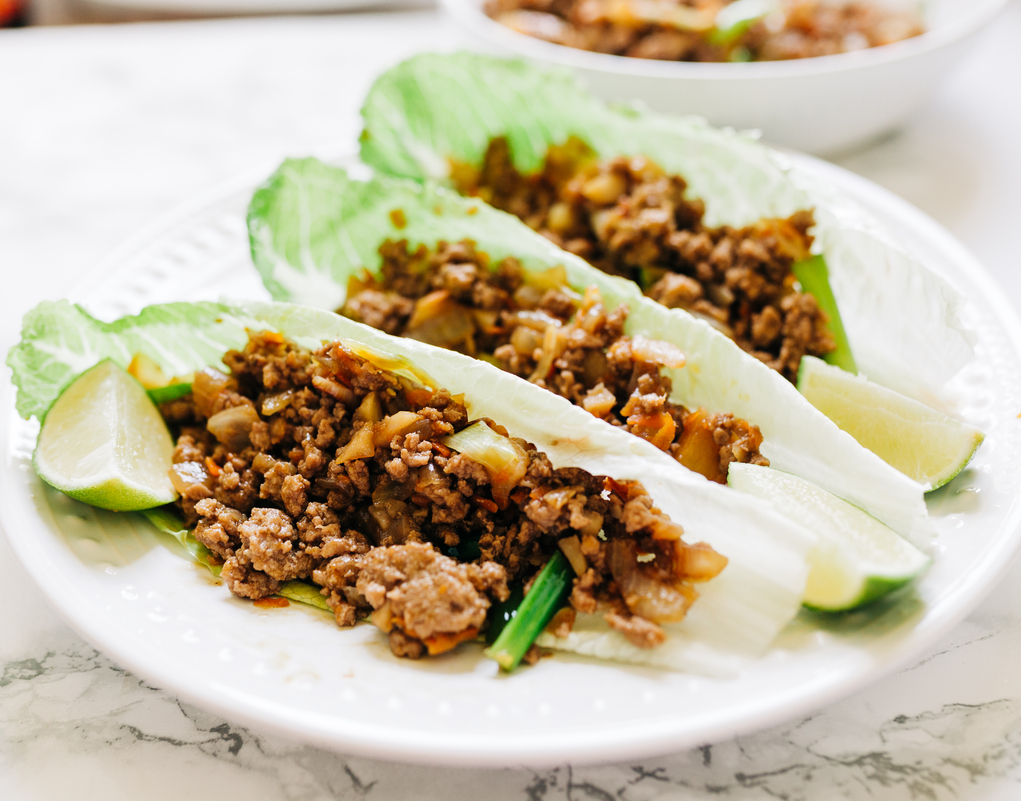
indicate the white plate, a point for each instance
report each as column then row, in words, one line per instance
column 128, row 592
column 824, row 105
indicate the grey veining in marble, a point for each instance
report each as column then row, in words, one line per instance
column 111, row 727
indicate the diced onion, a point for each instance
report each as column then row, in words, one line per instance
column 536, row 319
column 698, row 562
column 440, row 320
column 208, row 385
column 333, row 388
column 369, row 410
column 272, row 404
column 656, row 351
column 185, row 475
column 553, row 278
column 232, row 427
column 571, row 546
column 654, row 600
column 504, row 460
column 525, row 340
column 553, row 343
column 599, row 401
column 361, row 446
column 699, row 451
column 392, row 426
column 382, row 618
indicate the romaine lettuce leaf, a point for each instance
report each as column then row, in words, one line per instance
column 60, row 340
column 312, row 224
column 760, row 590
column 902, row 319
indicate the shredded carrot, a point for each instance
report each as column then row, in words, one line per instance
column 485, row 503
column 212, row 467
column 442, row 642
column 418, row 396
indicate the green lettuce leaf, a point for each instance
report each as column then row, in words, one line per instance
column 902, row 320
column 60, row 340
column 311, row 224
column 739, row 613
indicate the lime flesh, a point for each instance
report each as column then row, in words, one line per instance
column 103, row 442
column 921, row 442
column 856, row 559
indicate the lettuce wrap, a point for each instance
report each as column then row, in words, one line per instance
column 737, row 614
column 312, row 228
column 434, row 111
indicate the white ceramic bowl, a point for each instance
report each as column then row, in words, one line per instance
column 820, row 105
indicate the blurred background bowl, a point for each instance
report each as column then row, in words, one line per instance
column 823, row 105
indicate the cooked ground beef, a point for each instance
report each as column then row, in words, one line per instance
column 682, row 30
column 324, row 468
column 539, row 329
column 628, row 217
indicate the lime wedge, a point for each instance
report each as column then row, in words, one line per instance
column 922, row 443
column 104, row 443
column 856, row 558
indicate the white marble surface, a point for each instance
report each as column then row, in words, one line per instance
column 104, row 129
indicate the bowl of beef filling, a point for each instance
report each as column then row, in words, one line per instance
column 823, row 76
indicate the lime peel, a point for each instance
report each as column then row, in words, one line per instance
column 922, row 443
column 856, row 559
column 104, row 443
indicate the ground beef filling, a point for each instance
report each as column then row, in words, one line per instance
column 537, row 328
column 627, row 217
column 324, row 468
column 681, row 31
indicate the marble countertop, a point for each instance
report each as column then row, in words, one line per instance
column 103, row 129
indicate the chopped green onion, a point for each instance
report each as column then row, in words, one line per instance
column 173, row 392
column 503, row 612
column 733, row 20
column 465, row 551
column 814, row 278
column 647, row 276
column 549, row 592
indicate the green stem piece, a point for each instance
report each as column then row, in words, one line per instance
column 549, row 592
column 814, row 278
column 503, row 612
column 172, row 392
